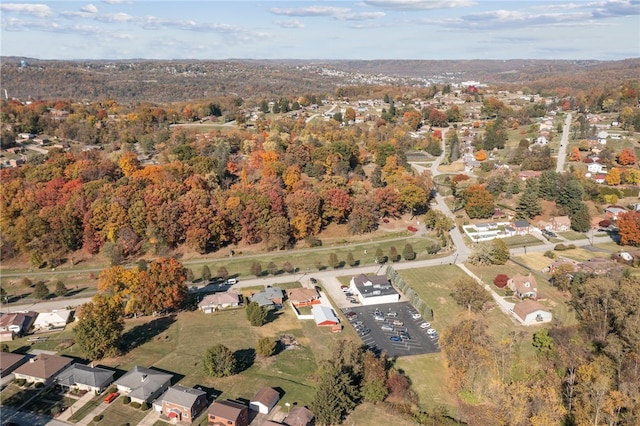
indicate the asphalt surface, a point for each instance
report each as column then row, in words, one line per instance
column 380, row 340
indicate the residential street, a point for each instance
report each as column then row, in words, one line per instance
column 564, row 142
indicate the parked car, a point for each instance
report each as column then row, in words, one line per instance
column 395, row 339
column 431, row 331
column 365, row 331
column 397, row 322
column 109, row 399
column 425, row 325
column 392, row 314
column 357, row 323
column 434, row 336
column 387, row 327
column 351, row 315
column 404, row 335
column 313, row 280
column 415, row 315
column 354, row 301
column 379, row 318
column 345, row 289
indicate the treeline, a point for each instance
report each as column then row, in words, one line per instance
column 585, row 374
column 276, row 187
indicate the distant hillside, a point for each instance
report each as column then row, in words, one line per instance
column 166, row 81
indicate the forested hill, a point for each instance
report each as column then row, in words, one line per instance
column 166, row 81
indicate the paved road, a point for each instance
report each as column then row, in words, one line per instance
column 564, row 141
column 9, row 414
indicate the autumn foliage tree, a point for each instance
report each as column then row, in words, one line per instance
column 629, row 228
column 627, row 157
column 99, row 328
column 478, row 202
column 162, row 286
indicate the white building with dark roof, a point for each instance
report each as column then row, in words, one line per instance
column 374, row 289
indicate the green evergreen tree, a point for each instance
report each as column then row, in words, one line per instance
column 205, row 274
column 581, row 219
column 408, row 252
column 40, row 291
column 256, row 314
column 60, row 288
column 529, row 202
column 336, row 395
column 266, row 347
column 219, row 361
column 351, row 260
column 333, row 260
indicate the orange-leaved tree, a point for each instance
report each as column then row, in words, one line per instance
column 629, row 228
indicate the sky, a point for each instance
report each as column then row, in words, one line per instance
column 366, row 29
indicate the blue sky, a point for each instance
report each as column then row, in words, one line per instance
column 367, row 29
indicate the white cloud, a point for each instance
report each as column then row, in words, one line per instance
column 293, row 23
column 311, row 11
column 420, row 4
column 90, row 8
column 37, row 10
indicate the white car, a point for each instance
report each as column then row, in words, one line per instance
column 425, row 325
column 431, row 331
column 415, row 315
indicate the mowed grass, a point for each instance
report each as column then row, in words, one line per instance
column 179, row 343
column 117, row 414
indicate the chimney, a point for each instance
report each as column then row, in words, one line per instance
column 143, row 377
column 32, row 360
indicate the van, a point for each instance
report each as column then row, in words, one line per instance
column 387, row 327
column 232, row 281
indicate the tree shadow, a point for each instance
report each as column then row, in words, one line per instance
column 143, row 333
column 244, row 359
column 75, row 291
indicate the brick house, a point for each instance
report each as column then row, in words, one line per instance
column 228, row 413
column 181, row 403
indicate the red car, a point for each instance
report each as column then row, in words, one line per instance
column 109, row 399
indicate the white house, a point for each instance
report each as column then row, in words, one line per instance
column 374, row 290
column 52, row 320
column 531, row 312
column 597, row 168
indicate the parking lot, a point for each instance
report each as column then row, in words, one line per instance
column 394, row 322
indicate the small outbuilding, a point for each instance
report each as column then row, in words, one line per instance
column 324, row 315
column 531, row 312
column 264, row 400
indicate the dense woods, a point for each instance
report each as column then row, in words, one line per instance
column 277, row 187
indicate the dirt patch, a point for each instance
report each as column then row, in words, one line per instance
column 442, row 300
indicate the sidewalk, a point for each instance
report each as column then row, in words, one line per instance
column 152, row 417
column 507, row 307
column 64, row 416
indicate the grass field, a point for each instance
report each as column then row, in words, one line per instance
column 117, row 414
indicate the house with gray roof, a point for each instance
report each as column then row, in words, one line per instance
column 84, row 377
column 143, row 384
column 270, row 297
column 181, row 403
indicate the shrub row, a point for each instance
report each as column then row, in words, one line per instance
column 420, row 305
column 562, row 247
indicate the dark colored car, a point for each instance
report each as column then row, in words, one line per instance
column 313, row 280
column 365, row 331
column 395, row 339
